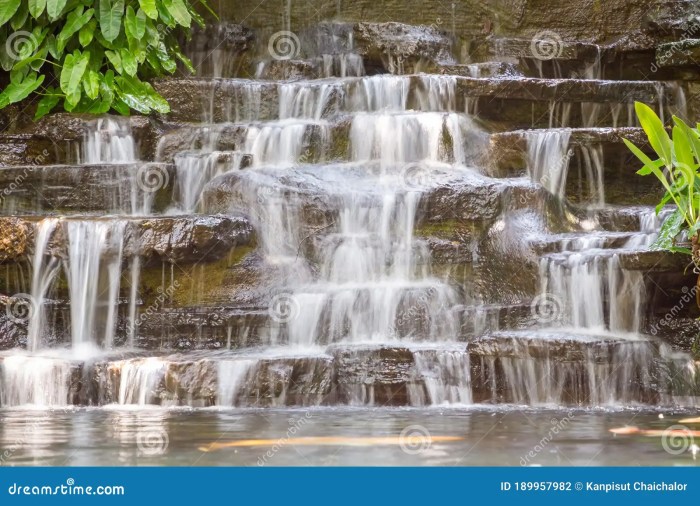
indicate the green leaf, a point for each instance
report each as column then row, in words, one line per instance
column 8, row 9
column 36, row 8
column 128, row 62
column 18, row 90
column 75, row 21
column 115, row 60
column 73, row 69
column 55, row 7
column 135, row 24
column 140, row 96
column 20, row 16
column 47, row 103
column 681, row 147
column 184, row 59
column 164, row 58
column 669, row 231
column 87, row 32
column 658, row 138
column 149, row 8
column 111, row 18
column 179, row 12
column 91, row 84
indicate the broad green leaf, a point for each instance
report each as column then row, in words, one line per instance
column 168, row 63
column 87, row 32
column 669, row 231
column 46, row 104
column 184, row 59
column 149, row 8
column 115, row 60
column 75, row 20
column 658, row 137
column 36, row 7
column 179, row 12
column 17, row 91
column 55, row 7
column 638, row 153
column 681, row 147
column 128, row 62
column 692, row 136
column 72, row 100
column 17, row 21
column 135, row 23
column 8, row 9
column 110, row 15
column 140, row 96
column 120, row 106
column 73, row 69
column 91, row 84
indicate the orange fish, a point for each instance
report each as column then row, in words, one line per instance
column 334, row 441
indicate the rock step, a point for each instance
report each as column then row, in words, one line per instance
column 224, row 100
column 511, row 368
column 60, row 189
column 589, row 151
column 170, row 239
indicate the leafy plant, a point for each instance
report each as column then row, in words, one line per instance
column 677, row 170
column 92, row 56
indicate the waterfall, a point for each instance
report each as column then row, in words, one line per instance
column 94, row 271
column 40, row 381
column 548, row 159
column 194, row 170
column 44, row 268
column 232, row 376
column 109, row 140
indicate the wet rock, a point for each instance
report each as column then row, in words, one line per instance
column 482, row 70
column 184, row 240
column 380, row 376
column 57, row 189
column 288, row 70
column 401, row 49
column 654, row 261
column 15, row 236
column 221, row 49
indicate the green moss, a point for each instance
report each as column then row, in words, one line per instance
column 187, row 285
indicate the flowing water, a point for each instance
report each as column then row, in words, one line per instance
column 352, row 184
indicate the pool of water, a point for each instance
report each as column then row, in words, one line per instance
column 507, row 436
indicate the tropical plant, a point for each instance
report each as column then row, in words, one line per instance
column 677, row 170
column 92, row 56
